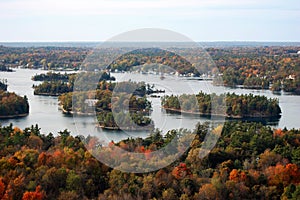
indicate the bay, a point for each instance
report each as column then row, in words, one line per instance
column 44, row 110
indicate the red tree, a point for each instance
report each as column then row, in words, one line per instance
column 36, row 195
column 2, row 188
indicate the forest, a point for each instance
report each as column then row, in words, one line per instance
column 229, row 105
column 140, row 57
column 249, row 161
column 42, row 57
column 261, row 67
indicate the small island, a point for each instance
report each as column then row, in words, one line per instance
column 51, row 76
column 13, row 105
column 55, row 84
column 226, row 105
column 115, row 115
column 121, row 106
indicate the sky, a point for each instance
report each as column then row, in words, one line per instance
column 99, row 20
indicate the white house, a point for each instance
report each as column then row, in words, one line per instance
column 91, row 102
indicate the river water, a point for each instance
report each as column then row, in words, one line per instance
column 44, row 110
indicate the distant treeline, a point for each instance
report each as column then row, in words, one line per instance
column 259, row 67
column 252, row 67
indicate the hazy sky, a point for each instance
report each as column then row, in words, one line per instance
column 98, row 20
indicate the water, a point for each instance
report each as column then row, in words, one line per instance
column 44, row 110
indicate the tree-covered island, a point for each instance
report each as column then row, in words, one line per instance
column 13, row 105
column 117, row 105
column 228, row 105
column 55, row 84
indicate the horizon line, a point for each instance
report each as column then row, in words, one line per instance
column 209, row 41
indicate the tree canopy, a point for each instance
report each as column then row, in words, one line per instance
column 249, row 161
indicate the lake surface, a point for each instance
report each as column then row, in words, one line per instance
column 44, row 110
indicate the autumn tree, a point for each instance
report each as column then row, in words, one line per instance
column 38, row 194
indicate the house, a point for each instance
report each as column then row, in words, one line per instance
column 291, row 77
column 91, row 102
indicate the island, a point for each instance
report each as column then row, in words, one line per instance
column 118, row 106
column 54, row 88
column 52, row 76
column 225, row 105
column 55, row 84
column 13, row 105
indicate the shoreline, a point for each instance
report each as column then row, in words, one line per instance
column 125, row 128
column 13, row 116
column 60, row 107
column 220, row 115
column 47, row 94
column 259, row 88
